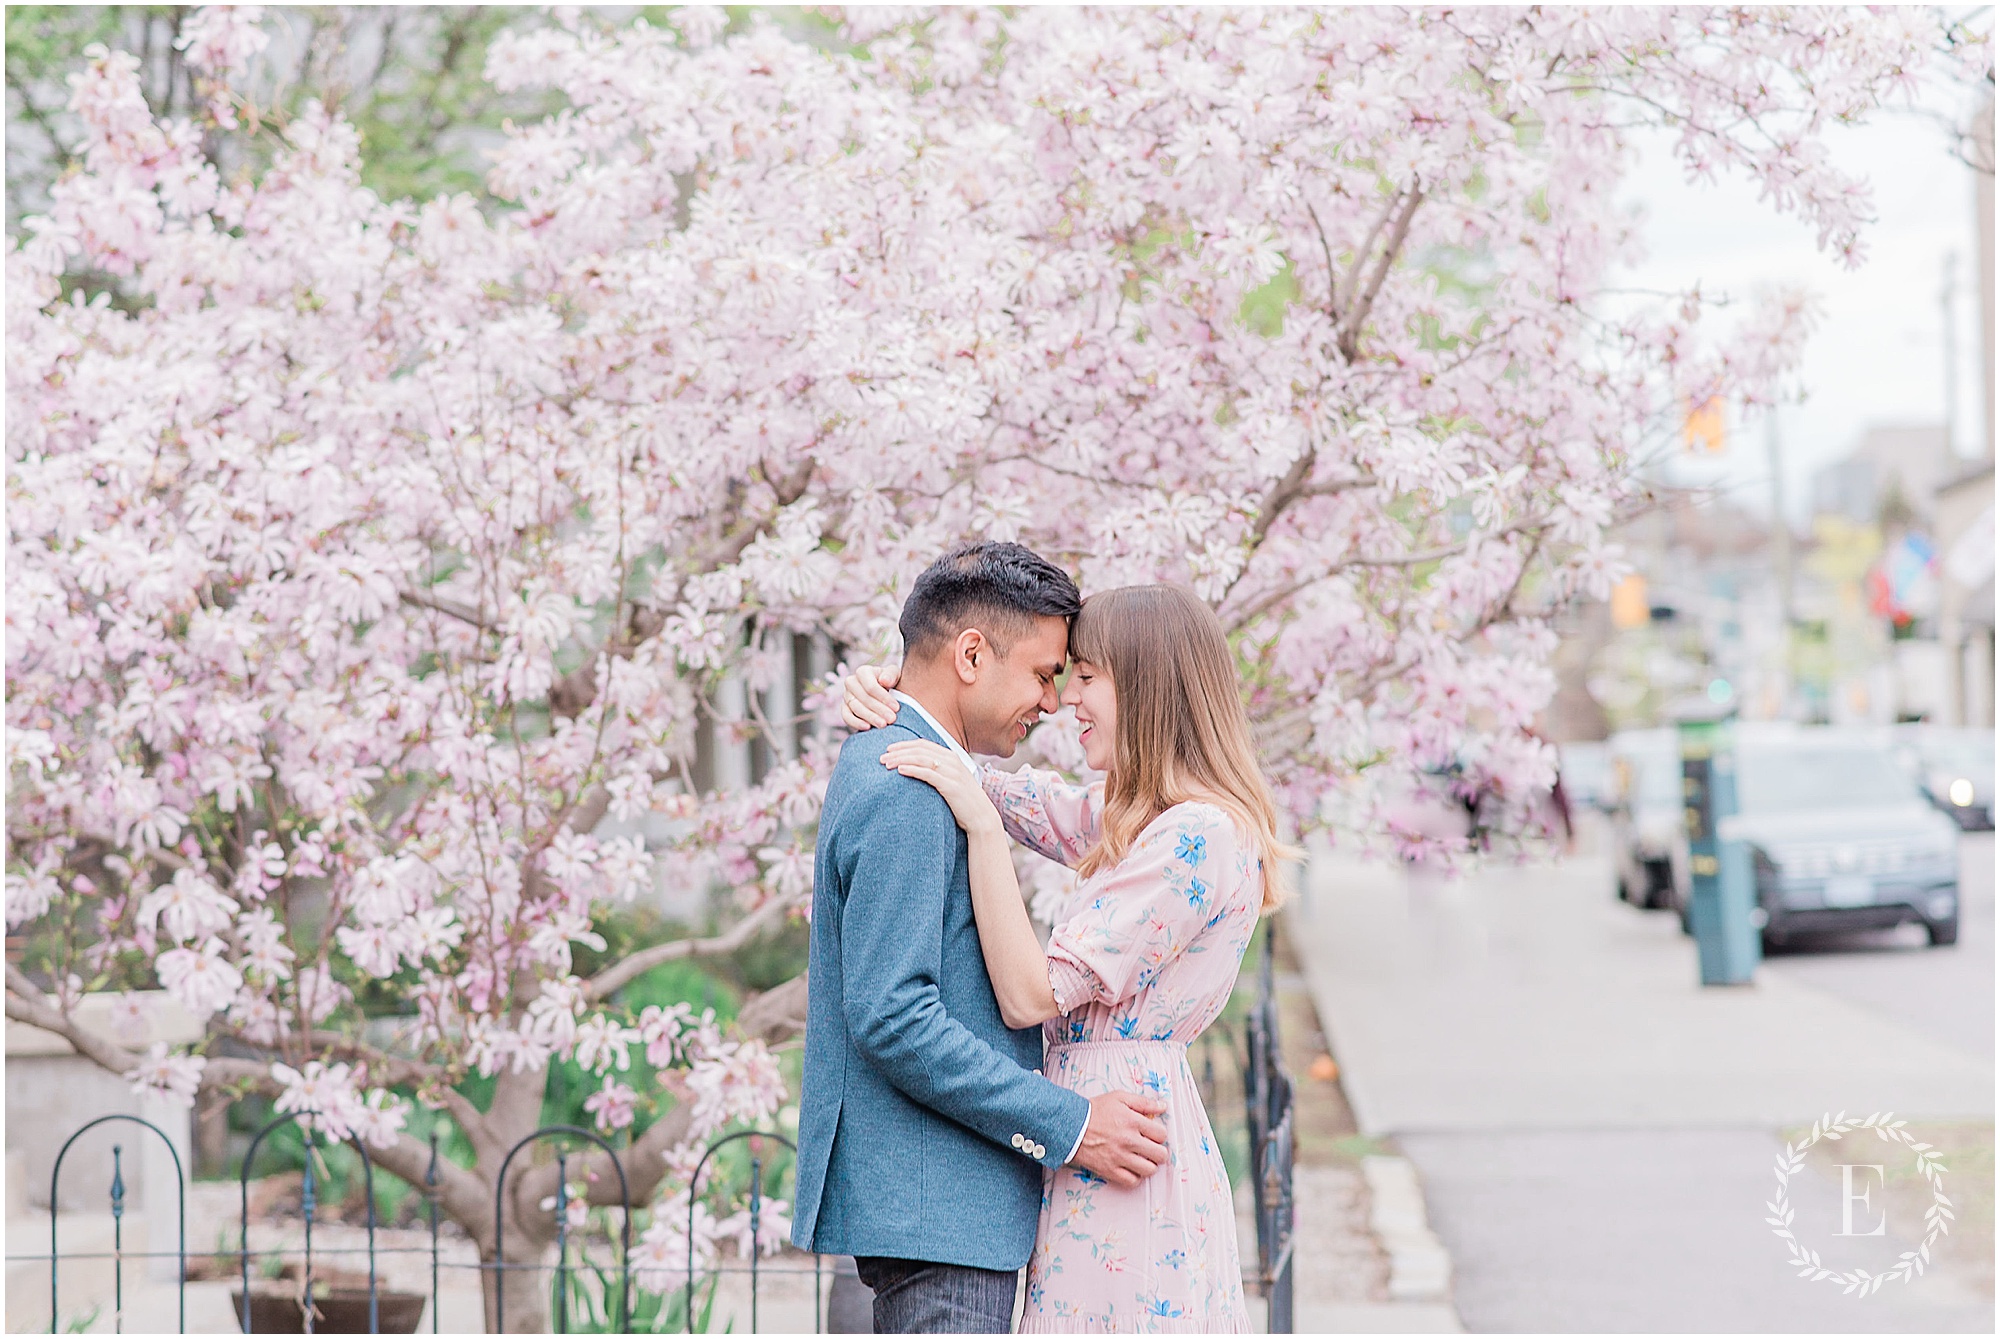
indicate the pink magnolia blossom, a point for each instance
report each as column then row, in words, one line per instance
column 414, row 541
column 611, row 1104
column 202, row 978
column 602, row 1043
column 378, row 1118
column 175, row 1078
column 660, row 1256
column 187, row 907
column 325, row 1090
column 742, row 1083
column 221, row 39
column 774, row 1228
column 660, row 1028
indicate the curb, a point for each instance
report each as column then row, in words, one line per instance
column 1419, row 1266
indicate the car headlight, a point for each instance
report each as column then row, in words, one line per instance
column 1960, row 792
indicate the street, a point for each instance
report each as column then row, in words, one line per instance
column 1944, row 993
column 1596, row 1132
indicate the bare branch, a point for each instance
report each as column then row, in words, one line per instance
column 1357, row 312
column 1332, row 274
column 463, row 1197
column 777, row 1015
column 27, row 1004
column 1283, row 493
column 227, row 1071
column 462, row 612
column 637, row 964
column 645, row 1165
column 1272, row 600
column 1361, row 256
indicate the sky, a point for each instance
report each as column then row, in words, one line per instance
column 1877, row 356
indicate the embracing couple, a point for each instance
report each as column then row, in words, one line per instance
column 974, row 1100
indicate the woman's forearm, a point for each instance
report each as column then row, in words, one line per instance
column 1014, row 957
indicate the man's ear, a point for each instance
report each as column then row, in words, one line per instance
column 969, row 652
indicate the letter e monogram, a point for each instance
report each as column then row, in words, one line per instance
column 1848, row 1197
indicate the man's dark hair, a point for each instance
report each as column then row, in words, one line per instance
column 998, row 588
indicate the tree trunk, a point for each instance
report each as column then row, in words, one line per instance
column 527, row 1285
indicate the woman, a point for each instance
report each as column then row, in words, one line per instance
column 1178, row 854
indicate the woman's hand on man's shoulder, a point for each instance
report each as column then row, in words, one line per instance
column 865, row 700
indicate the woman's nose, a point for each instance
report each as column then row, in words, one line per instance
column 1072, row 694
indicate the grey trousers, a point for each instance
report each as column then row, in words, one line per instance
column 918, row 1297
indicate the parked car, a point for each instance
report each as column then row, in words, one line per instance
column 1953, row 768
column 1840, row 837
column 1649, row 834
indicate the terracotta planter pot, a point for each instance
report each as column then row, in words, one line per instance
column 341, row 1310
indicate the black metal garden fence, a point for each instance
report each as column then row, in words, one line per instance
column 1267, row 1091
column 366, row 1306
column 1265, row 1136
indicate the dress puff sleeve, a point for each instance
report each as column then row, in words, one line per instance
column 1043, row 812
column 1182, row 876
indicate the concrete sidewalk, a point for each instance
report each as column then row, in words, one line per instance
column 1594, row 1131
column 1529, row 999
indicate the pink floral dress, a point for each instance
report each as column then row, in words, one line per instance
column 1142, row 958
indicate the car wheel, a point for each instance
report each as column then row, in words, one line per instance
column 1943, row 932
column 1771, row 934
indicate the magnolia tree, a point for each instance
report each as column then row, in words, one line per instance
column 368, row 557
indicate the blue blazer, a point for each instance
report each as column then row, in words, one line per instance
column 925, row 1122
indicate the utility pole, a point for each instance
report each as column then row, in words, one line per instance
column 1947, row 301
column 1781, row 526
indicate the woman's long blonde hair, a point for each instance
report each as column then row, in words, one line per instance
column 1181, row 732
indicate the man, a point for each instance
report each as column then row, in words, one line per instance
column 925, row 1121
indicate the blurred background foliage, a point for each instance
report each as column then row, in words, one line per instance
column 411, row 79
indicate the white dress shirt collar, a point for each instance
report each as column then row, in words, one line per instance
column 950, row 741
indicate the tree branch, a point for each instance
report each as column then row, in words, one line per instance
column 774, row 1016
column 462, row 1196
column 645, row 1165
column 1361, row 258
column 637, row 964
column 462, row 612
column 224, row 1071
column 1332, row 274
column 777, row 1015
column 1349, row 338
column 27, row 1004
column 1282, row 494
column 388, row 1070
